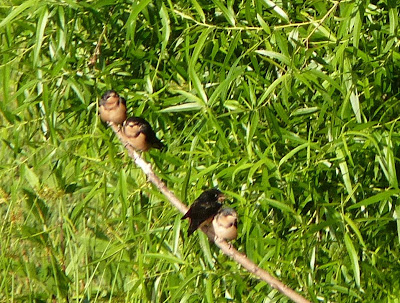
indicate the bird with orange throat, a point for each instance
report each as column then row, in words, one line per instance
column 112, row 108
column 138, row 133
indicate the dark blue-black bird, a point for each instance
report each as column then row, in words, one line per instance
column 203, row 209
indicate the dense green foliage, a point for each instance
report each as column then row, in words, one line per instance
column 291, row 108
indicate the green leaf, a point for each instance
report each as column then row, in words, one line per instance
column 166, row 30
column 41, row 26
column 192, row 66
column 276, row 9
column 30, row 176
column 226, row 11
column 170, row 258
column 285, row 208
column 264, row 24
column 355, row 229
column 354, row 259
column 18, row 10
column 274, row 55
column 304, row 111
column 376, row 198
column 397, row 218
column 199, row 10
column 292, row 153
column 344, row 170
column 191, row 106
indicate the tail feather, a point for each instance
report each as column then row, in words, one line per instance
column 159, row 145
column 191, row 230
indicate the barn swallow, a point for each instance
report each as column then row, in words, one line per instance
column 139, row 134
column 112, row 107
column 225, row 224
column 203, row 209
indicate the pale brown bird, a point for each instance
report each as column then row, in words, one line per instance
column 203, row 209
column 112, row 107
column 139, row 134
column 225, row 224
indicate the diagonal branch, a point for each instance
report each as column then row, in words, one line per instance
column 226, row 248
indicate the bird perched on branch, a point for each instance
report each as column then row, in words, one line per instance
column 112, row 107
column 225, row 224
column 139, row 134
column 203, row 209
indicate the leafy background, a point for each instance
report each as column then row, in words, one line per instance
column 290, row 107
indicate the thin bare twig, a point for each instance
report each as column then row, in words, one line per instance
column 225, row 247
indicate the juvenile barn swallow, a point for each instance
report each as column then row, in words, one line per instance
column 139, row 134
column 225, row 224
column 112, row 107
column 203, row 209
